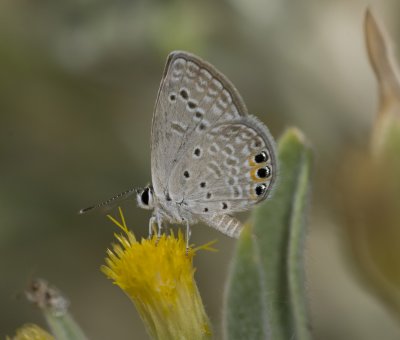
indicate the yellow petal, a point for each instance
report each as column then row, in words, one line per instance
column 158, row 276
column 31, row 332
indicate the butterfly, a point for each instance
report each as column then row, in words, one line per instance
column 209, row 157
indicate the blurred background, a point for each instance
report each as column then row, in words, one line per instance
column 78, row 82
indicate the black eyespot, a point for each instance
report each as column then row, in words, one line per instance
column 202, row 126
column 172, row 97
column 264, row 172
column 168, row 197
column 205, row 209
column 192, row 105
column 224, row 205
column 260, row 189
column 198, row 114
column 184, row 94
column 208, row 195
column 261, row 157
column 145, row 196
column 203, row 184
column 186, row 174
column 197, row 152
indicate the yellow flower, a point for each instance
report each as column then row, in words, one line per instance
column 158, row 276
column 31, row 332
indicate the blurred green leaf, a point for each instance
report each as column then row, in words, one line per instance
column 266, row 286
column 370, row 183
column 64, row 327
column 387, row 125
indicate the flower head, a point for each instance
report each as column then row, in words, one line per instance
column 31, row 332
column 158, row 276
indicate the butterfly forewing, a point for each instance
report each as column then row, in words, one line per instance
column 193, row 97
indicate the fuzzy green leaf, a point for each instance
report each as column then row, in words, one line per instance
column 276, row 247
column 245, row 282
column 64, row 327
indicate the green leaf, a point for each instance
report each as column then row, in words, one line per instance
column 64, row 327
column 268, row 276
column 245, row 282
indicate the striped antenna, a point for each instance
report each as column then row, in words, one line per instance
column 110, row 203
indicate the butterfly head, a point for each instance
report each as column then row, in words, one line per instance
column 144, row 198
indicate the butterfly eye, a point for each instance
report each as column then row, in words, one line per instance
column 260, row 189
column 261, row 157
column 145, row 196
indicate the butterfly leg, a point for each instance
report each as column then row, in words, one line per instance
column 159, row 226
column 152, row 221
column 188, row 233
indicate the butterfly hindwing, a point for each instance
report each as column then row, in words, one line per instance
column 229, row 169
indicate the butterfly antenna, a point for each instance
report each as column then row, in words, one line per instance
column 110, row 202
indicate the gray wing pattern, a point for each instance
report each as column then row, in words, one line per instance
column 193, row 96
column 221, row 173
